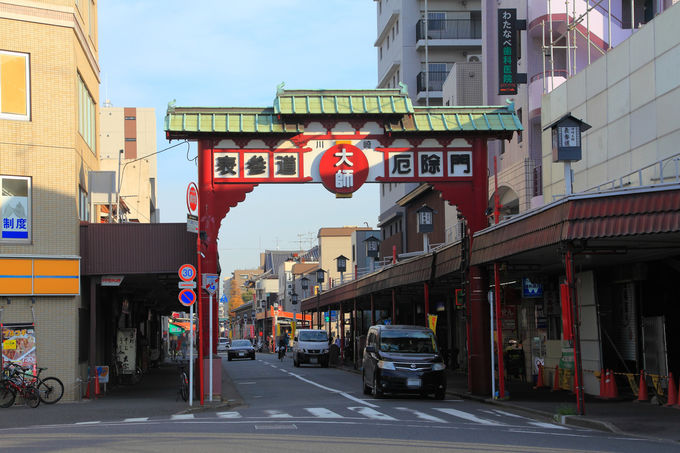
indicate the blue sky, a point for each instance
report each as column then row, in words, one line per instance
column 230, row 53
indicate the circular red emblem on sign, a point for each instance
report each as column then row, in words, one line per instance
column 192, row 198
column 343, row 168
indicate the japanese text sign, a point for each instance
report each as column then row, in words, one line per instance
column 507, row 51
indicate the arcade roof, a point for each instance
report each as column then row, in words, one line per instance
column 293, row 108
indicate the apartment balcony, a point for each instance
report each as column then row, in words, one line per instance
column 449, row 33
column 435, row 85
column 541, row 83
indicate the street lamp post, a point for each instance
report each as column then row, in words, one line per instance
column 319, row 280
column 341, row 262
column 425, row 225
column 372, row 247
column 304, row 284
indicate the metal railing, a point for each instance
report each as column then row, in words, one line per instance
column 449, row 29
column 437, row 79
column 654, row 174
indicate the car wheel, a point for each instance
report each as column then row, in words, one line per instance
column 252, row 357
column 376, row 391
column 229, row 358
column 367, row 389
column 440, row 394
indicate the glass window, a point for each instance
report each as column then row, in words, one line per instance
column 15, row 207
column 84, row 206
column 408, row 342
column 436, row 20
column 86, row 116
column 15, row 92
column 313, row 335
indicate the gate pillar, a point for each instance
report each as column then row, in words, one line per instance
column 471, row 199
column 214, row 203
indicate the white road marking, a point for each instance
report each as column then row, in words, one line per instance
column 322, row 412
column 182, row 417
column 138, row 419
column 372, row 413
column 228, row 415
column 506, row 414
column 547, row 425
column 246, row 383
column 88, row 423
column 467, row 416
column 339, row 392
column 278, row 414
column 422, row 415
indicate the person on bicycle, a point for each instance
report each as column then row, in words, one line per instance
column 283, row 342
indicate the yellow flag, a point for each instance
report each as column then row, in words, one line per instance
column 432, row 322
column 278, row 330
column 292, row 328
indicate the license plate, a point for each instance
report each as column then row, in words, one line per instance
column 412, row 382
column 312, row 360
column 241, row 353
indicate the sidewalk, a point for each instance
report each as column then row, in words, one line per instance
column 156, row 395
column 620, row 416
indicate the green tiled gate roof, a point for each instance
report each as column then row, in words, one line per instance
column 292, row 108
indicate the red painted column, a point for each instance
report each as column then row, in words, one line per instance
column 471, row 199
column 342, row 334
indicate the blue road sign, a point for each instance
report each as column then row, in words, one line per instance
column 187, row 297
column 223, row 299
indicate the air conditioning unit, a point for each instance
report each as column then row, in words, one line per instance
column 474, row 58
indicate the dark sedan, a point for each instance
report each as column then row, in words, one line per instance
column 241, row 349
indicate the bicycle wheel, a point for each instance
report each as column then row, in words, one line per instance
column 7, row 395
column 184, row 386
column 32, row 396
column 51, row 390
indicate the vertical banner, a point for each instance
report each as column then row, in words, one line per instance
column 432, row 322
column 293, row 327
column 18, row 344
column 507, row 51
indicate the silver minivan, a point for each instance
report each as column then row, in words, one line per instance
column 310, row 346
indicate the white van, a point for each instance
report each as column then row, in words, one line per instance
column 310, row 346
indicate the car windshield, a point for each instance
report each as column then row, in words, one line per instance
column 408, row 341
column 313, row 335
column 240, row 343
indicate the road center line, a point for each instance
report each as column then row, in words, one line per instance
column 339, row 392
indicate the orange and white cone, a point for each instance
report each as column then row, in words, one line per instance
column 672, row 391
column 556, row 379
column 642, row 392
column 539, row 380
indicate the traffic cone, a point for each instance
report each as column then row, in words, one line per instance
column 96, row 384
column 539, row 380
column 87, row 392
column 602, row 381
column 607, row 385
column 672, row 391
column 556, row 379
column 642, row 388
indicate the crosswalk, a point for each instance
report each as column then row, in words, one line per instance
column 434, row 415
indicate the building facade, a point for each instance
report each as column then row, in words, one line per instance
column 49, row 127
column 128, row 142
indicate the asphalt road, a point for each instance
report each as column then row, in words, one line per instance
column 322, row 409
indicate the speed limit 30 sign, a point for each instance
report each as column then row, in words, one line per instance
column 187, row 272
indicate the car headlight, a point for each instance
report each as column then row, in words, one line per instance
column 386, row 365
column 438, row 367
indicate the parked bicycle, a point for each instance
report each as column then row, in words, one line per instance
column 183, row 383
column 51, row 388
column 15, row 382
